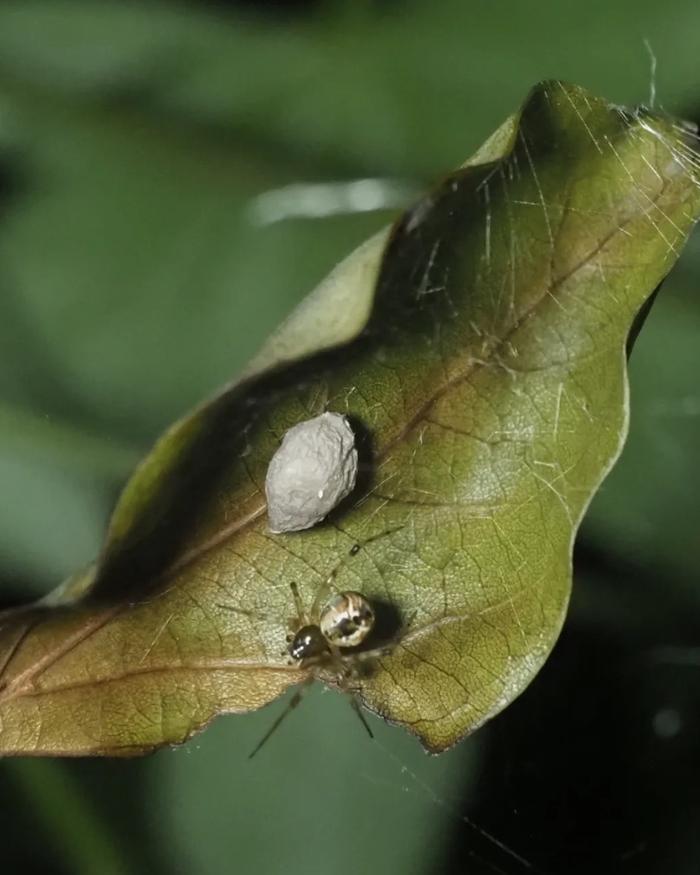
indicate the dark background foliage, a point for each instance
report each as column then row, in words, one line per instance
column 148, row 243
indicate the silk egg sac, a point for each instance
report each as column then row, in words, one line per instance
column 313, row 470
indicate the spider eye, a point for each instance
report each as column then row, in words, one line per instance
column 347, row 619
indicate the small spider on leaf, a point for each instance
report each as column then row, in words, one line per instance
column 326, row 638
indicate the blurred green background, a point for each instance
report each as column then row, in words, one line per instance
column 149, row 240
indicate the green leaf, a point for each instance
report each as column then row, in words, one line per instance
column 419, row 68
column 486, row 378
column 653, row 520
column 319, row 748
column 66, row 478
column 175, row 235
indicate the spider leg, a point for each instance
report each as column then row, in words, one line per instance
column 343, row 672
column 374, row 654
column 293, row 702
column 298, row 604
column 243, row 611
column 322, row 593
column 355, row 705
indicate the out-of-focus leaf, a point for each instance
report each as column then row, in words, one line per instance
column 648, row 508
column 488, row 389
column 173, row 235
column 420, row 67
column 66, row 479
column 319, row 748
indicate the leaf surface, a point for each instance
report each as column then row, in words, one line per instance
column 479, row 351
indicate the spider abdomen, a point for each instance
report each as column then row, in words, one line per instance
column 347, row 619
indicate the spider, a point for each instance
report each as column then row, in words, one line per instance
column 344, row 621
column 326, row 639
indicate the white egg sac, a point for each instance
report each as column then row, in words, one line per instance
column 312, row 471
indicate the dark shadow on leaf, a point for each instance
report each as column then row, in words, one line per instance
column 640, row 319
column 366, row 469
column 388, row 625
